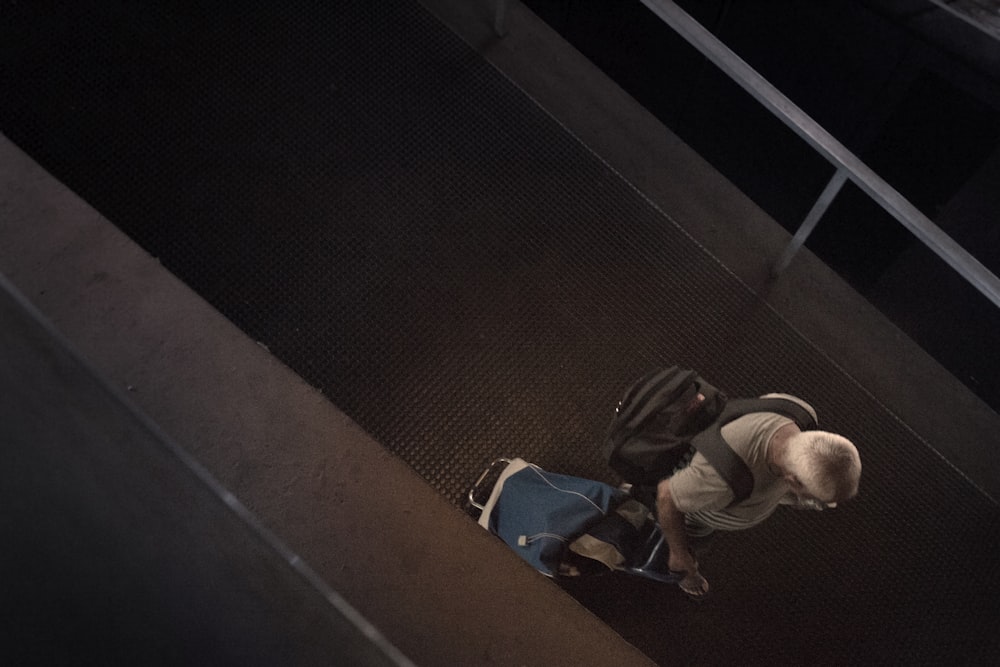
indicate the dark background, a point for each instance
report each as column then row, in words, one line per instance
column 911, row 90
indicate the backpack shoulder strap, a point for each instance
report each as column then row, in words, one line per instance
column 782, row 406
column 710, row 444
column 721, row 456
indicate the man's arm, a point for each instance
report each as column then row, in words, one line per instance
column 681, row 557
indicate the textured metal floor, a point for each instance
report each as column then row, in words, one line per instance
column 360, row 192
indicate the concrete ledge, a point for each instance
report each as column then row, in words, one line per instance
column 439, row 587
column 118, row 549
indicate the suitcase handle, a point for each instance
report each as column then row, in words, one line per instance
column 474, row 491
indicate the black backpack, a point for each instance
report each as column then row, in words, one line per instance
column 660, row 420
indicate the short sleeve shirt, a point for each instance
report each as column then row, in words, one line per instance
column 698, row 489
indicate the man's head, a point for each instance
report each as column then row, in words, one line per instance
column 822, row 466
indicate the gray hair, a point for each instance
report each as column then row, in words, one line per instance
column 827, row 464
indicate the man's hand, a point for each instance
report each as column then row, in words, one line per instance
column 682, row 561
column 694, row 585
column 681, row 557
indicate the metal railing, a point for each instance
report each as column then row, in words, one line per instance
column 848, row 165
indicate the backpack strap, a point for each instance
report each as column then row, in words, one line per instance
column 782, row 406
column 721, row 456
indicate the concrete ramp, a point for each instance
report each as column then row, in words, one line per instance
column 118, row 548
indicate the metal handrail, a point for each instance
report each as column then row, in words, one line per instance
column 989, row 29
column 848, row 165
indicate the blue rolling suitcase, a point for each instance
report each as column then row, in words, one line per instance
column 564, row 525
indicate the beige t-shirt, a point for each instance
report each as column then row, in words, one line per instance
column 703, row 495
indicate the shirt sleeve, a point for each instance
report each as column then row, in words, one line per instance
column 699, row 487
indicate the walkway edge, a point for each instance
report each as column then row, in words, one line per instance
column 439, row 587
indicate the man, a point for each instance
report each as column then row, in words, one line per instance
column 812, row 469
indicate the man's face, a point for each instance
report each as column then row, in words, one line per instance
column 808, row 499
column 811, row 503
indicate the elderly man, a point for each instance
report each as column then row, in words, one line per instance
column 812, row 469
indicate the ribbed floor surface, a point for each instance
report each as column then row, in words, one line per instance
column 360, row 192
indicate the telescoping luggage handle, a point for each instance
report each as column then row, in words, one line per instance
column 474, row 491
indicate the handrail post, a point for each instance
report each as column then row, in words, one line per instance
column 500, row 18
column 809, row 223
